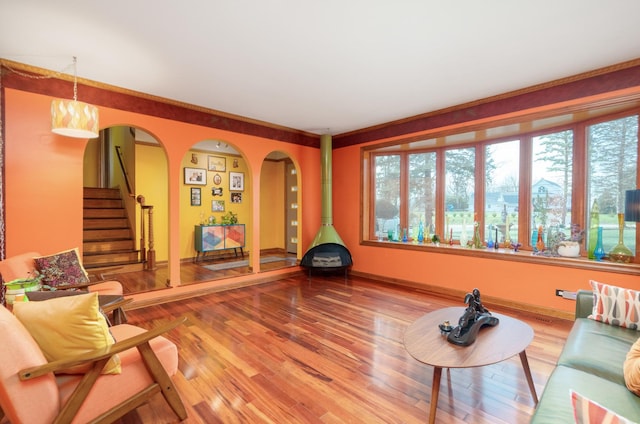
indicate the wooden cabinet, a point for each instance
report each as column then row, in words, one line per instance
column 218, row 237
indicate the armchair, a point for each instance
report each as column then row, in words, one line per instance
column 23, row 265
column 30, row 392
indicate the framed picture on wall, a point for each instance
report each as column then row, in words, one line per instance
column 236, row 197
column 195, row 176
column 217, row 163
column 217, row 206
column 236, row 181
column 196, row 196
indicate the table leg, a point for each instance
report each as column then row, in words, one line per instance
column 527, row 373
column 119, row 316
column 435, row 391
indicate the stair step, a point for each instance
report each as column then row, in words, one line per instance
column 108, row 243
column 106, row 234
column 104, row 213
column 102, row 203
column 110, row 258
column 101, row 246
column 110, row 271
column 105, row 223
column 101, row 193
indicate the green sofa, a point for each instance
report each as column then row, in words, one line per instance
column 590, row 364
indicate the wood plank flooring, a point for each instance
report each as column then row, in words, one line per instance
column 191, row 272
column 326, row 351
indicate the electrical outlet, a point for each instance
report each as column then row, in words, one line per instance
column 559, row 292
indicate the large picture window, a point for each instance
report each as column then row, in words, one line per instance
column 518, row 187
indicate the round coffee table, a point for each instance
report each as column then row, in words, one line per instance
column 424, row 341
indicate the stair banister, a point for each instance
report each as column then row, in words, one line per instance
column 147, row 256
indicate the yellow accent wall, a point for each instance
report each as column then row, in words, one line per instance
column 152, row 182
column 193, row 215
column 91, row 168
column 272, row 208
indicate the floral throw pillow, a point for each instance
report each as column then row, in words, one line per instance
column 61, row 269
column 615, row 305
column 586, row 411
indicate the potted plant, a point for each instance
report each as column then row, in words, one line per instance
column 570, row 248
column 20, row 286
column 229, row 218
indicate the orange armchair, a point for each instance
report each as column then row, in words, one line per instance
column 23, row 265
column 30, row 392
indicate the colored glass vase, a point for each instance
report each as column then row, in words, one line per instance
column 594, row 223
column 463, row 234
column 620, row 252
column 540, row 241
column 598, row 252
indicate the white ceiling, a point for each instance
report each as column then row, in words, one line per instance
column 321, row 66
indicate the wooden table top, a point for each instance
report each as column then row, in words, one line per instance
column 424, row 341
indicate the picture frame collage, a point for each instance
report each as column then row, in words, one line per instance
column 199, row 177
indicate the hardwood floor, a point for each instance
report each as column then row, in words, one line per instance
column 326, row 351
column 192, row 273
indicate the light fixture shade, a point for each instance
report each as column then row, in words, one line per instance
column 72, row 118
column 632, row 206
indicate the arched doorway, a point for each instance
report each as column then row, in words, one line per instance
column 215, row 213
column 124, row 168
column 279, row 212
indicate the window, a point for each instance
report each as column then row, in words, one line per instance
column 518, row 185
column 387, row 195
column 502, row 172
column 422, row 192
column 551, row 184
column 612, row 169
column 460, row 167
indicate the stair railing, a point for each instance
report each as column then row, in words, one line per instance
column 148, row 256
column 124, row 171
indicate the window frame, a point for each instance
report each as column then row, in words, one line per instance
column 579, row 209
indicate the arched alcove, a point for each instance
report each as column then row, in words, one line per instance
column 123, row 169
column 279, row 212
column 215, row 213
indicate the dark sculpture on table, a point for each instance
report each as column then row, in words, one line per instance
column 474, row 318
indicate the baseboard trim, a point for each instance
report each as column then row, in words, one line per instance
column 443, row 292
column 458, row 295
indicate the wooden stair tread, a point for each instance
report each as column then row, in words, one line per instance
column 108, row 241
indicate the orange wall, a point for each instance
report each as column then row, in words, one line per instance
column 43, row 195
column 519, row 282
column 44, row 176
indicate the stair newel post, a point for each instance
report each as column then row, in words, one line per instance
column 151, row 262
column 143, row 252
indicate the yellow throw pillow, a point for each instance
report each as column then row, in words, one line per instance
column 68, row 326
column 631, row 368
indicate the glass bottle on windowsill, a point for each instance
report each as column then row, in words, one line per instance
column 598, row 252
column 594, row 223
column 620, row 252
column 540, row 241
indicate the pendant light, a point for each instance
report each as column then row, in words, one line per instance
column 72, row 118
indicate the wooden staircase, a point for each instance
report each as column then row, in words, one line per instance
column 108, row 240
